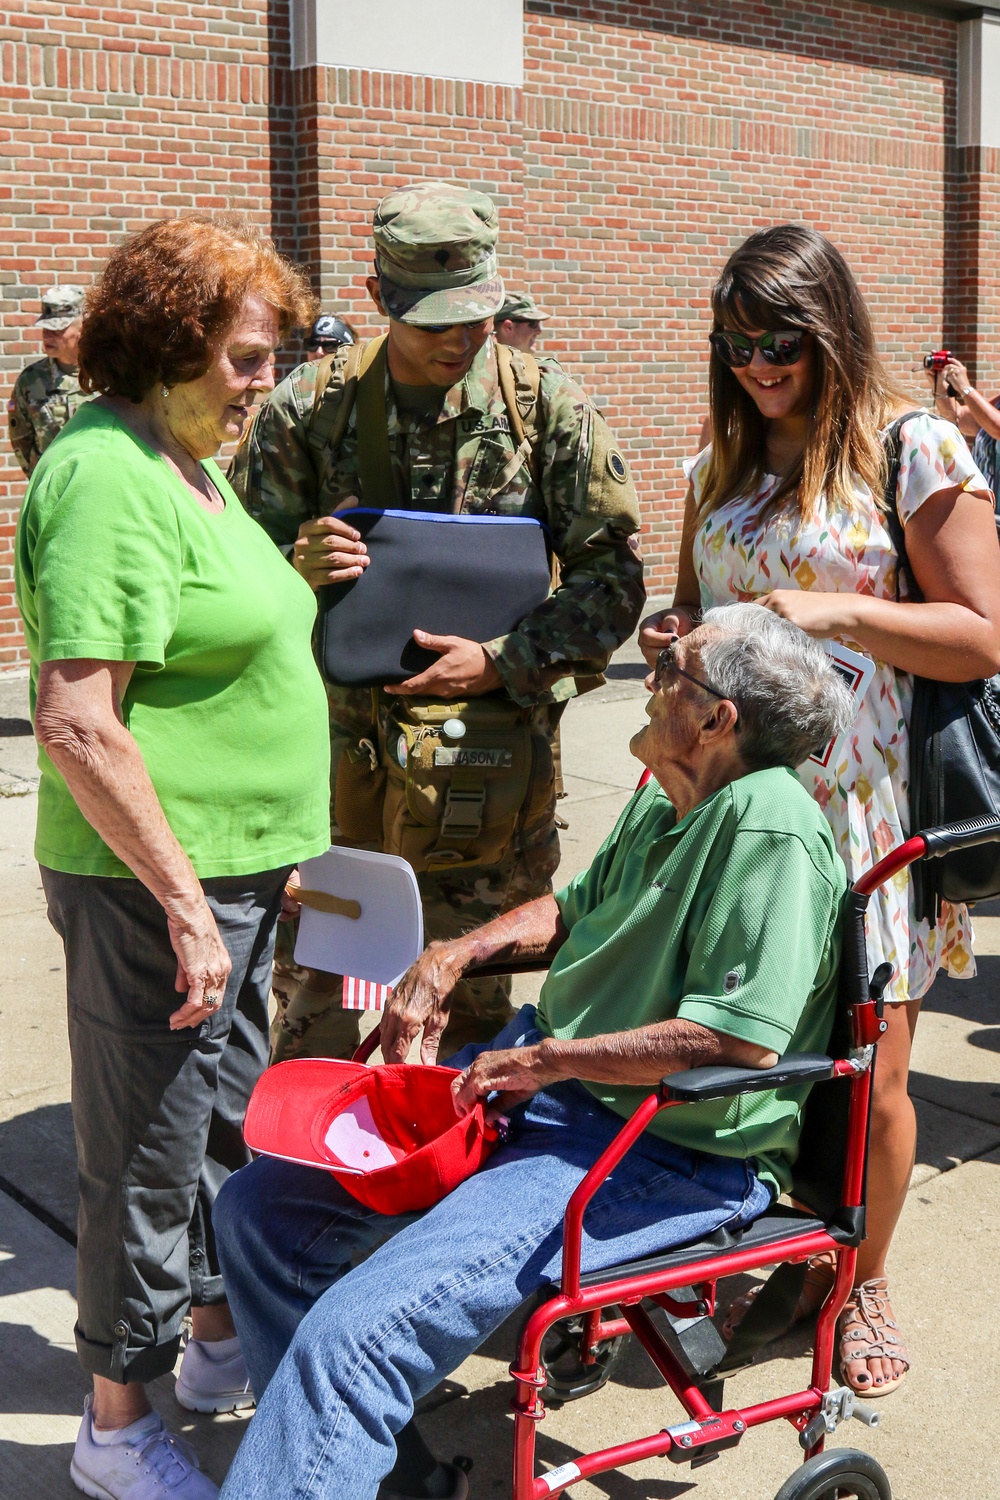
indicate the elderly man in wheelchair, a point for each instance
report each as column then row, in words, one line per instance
column 706, row 932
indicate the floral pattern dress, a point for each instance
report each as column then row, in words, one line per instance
column 863, row 790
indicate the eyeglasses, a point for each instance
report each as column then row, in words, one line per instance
column 783, row 346
column 666, row 664
column 534, row 323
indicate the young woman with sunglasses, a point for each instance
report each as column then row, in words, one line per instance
column 785, row 508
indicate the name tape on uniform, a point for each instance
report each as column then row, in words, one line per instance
column 468, row 755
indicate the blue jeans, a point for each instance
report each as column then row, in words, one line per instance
column 338, row 1356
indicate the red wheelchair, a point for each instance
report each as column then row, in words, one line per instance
column 573, row 1337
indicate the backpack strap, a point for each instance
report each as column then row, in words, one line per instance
column 520, row 386
column 329, row 416
column 892, row 442
column 378, row 480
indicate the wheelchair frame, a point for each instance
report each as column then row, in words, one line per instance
column 706, row 1432
column 815, row 1411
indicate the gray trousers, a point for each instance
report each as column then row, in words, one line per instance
column 157, row 1113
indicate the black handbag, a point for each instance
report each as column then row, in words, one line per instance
column 472, row 576
column 954, row 736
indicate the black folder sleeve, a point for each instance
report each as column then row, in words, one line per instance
column 472, row 576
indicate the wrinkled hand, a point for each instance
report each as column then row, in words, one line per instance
column 421, row 1001
column 203, row 964
column 514, row 1075
column 955, row 375
column 657, row 631
column 819, row 615
column 462, row 670
column 329, row 550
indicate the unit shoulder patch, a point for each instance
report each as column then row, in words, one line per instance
column 617, row 467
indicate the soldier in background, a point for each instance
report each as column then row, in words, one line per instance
column 519, row 321
column 47, row 392
column 451, row 435
column 328, row 334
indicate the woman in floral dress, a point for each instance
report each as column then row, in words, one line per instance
column 785, row 508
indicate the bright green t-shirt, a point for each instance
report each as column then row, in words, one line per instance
column 116, row 560
column 730, row 918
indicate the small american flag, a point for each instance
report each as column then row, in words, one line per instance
column 364, row 994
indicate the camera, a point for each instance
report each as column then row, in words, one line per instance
column 936, row 363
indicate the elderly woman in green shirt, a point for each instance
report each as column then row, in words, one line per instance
column 184, row 754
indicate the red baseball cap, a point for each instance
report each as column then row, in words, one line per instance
column 390, row 1135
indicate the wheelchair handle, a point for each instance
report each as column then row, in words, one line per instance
column 931, row 843
column 938, row 841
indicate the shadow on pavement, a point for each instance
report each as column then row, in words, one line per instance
column 976, row 999
column 479, row 1424
column 38, row 1158
column 52, row 1382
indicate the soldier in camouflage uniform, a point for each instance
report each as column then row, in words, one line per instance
column 519, row 321
column 47, row 392
column 451, row 449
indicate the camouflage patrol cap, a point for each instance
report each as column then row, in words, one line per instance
column 521, row 306
column 435, row 254
column 61, row 305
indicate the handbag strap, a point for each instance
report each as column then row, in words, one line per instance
column 893, row 444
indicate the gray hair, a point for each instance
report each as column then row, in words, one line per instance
column 791, row 698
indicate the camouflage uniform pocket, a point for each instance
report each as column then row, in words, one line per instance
column 359, row 793
column 458, row 777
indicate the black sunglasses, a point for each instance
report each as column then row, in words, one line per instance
column 666, row 665
column 783, row 346
column 446, row 327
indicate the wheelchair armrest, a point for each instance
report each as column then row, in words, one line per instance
column 515, row 966
column 697, row 1084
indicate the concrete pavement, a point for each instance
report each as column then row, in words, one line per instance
column 935, row 1439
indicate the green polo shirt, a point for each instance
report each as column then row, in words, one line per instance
column 730, row 918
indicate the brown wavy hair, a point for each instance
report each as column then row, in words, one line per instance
column 168, row 294
column 789, row 276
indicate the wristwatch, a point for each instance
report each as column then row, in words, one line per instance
column 966, row 390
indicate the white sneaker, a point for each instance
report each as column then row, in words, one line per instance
column 213, row 1381
column 146, row 1463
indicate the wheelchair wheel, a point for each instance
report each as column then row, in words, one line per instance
column 840, row 1474
column 567, row 1378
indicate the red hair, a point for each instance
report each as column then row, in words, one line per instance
column 168, row 294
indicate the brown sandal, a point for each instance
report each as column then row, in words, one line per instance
column 820, row 1275
column 869, row 1331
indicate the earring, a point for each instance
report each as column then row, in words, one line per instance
column 164, row 391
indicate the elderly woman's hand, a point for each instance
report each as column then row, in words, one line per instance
column 203, row 965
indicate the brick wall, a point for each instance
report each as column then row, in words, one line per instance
column 111, row 115
column 648, row 140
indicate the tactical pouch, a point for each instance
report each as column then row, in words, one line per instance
column 359, row 792
column 454, row 799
